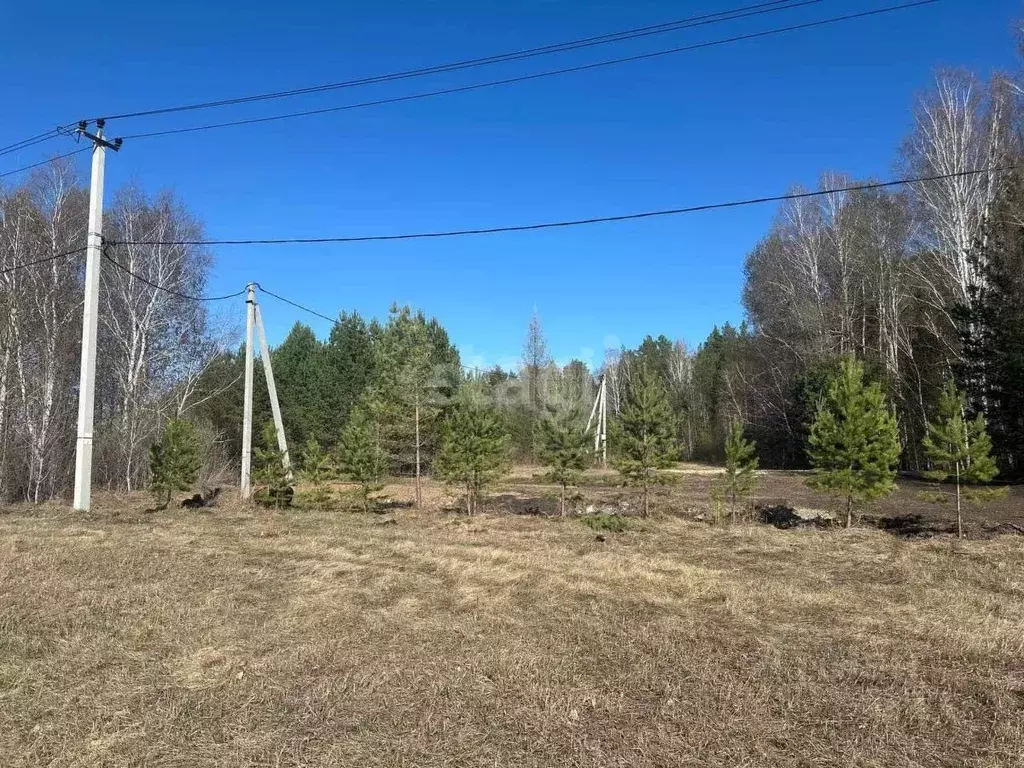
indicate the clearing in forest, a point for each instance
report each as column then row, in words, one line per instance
column 241, row 637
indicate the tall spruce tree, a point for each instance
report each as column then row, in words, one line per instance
column 854, row 443
column 564, row 449
column 174, row 462
column 740, row 467
column 474, row 451
column 645, row 434
column 360, row 456
column 959, row 448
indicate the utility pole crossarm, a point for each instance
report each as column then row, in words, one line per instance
column 97, row 138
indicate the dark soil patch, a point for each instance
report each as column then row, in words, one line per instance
column 784, row 517
column 914, row 526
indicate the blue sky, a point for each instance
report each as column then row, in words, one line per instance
column 741, row 120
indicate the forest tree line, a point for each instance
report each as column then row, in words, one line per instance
column 922, row 283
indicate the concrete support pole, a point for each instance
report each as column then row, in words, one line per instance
column 250, row 321
column 87, row 377
column 275, row 406
column 604, row 422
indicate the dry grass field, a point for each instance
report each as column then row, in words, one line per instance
column 242, row 637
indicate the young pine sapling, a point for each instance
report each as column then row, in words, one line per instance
column 361, row 458
column 740, row 467
column 645, row 433
column 959, row 448
column 474, row 451
column 564, row 448
column 854, row 443
column 174, row 462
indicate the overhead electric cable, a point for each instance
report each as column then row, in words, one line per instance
column 44, row 162
column 334, row 321
column 613, row 37
column 576, row 222
column 534, row 76
column 297, row 305
column 29, row 142
column 45, row 260
column 165, row 289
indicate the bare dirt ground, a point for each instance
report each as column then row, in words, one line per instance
column 905, row 512
column 242, row 637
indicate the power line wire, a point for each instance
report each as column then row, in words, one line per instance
column 163, row 288
column 613, row 37
column 580, row 222
column 44, row 162
column 295, row 304
column 334, row 321
column 29, row 142
column 45, row 260
column 537, row 75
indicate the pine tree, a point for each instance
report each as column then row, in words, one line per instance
column 316, row 466
column 415, row 374
column 174, row 462
column 854, row 441
column 271, row 471
column 564, row 448
column 959, row 448
column 740, row 466
column 361, row 458
column 474, row 451
column 645, row 433
column 535, row 364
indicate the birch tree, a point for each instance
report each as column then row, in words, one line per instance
column 152, row 338
column 960, row 128
column 45, row 326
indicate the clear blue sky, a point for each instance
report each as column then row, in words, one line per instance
column 747, row 119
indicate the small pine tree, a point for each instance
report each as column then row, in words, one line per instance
column 960, row 449
column 316, row 466
column 271, row 471
column 563, row 448
column 474, row 451
column 646, row 434
column 740, row 467
column 360, row 456
column 174, row 462
column 854, row 443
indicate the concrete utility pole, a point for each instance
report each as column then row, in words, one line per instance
column 593, row 411
column 600, row 410
column 275, row 406
column 87, row 380
column 250, row 321
column 604, row 422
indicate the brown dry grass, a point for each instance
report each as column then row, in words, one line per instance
column 244, row 638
